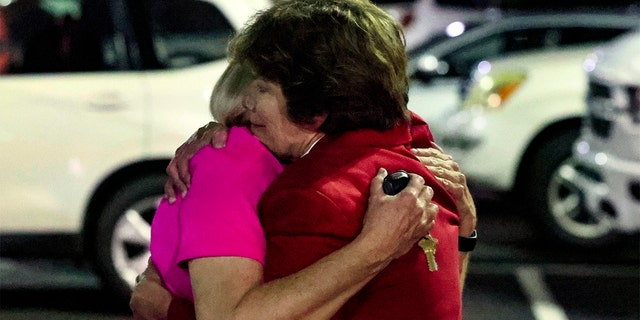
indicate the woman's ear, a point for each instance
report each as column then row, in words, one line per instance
column 316, row 123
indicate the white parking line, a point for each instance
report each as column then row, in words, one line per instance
column 543, row 305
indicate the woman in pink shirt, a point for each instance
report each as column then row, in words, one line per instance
column 218, row 217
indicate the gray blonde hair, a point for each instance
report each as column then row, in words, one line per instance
column 226, row 99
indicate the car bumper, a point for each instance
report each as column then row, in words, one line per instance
column 610, row 184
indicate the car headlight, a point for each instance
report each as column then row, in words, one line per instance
column 490, row 89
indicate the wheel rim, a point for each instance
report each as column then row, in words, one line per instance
column 566, row 204
column 131, row 238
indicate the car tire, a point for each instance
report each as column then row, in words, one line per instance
column 124, row 231
column 555, row 203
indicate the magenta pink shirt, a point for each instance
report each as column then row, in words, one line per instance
column 218, row 216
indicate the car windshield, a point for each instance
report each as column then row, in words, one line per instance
column 452, row 30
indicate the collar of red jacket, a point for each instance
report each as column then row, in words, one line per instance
column 415, row 134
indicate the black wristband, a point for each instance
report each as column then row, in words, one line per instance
column 467, row 244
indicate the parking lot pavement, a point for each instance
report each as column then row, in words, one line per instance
column 552, row 292
column 38, row 289
column 511, row 276
column 514, row 275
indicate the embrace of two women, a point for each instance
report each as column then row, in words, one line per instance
column 288, row 220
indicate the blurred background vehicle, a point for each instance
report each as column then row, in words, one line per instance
column 440, row 64
column 605, row 173
column 515, row 129
column 424, row 20
column 96, row 96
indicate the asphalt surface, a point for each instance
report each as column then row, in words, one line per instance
column 512, row 276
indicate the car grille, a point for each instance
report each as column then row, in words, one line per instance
column 634, row 103
column 608, row 102
column 600, row 127
column 598, row 116
column 597, row 90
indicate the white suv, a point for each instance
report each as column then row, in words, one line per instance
column 95, row 98
column 606, row 172
column 514, row 133
column 439, row 65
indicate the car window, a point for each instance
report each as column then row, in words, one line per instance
column 461, row 60
column 57, row 36
column 45, row 36
column 442, row 36
column 578, row 35
column 528, row 39
column 188, row 32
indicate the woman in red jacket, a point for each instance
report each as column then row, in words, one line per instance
column 331, row 97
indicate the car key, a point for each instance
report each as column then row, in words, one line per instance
column 395, row 182
column 429, row 245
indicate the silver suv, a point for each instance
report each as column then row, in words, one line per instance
column 606, row 173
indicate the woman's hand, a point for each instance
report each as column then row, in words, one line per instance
column 150, row 300
column 447, row 171
column 178, row 169
column 396, row 223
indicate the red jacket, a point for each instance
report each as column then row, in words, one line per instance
column 316, row 206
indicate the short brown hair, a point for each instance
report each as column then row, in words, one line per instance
column 342, row 58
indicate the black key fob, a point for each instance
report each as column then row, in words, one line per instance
column 395, row 182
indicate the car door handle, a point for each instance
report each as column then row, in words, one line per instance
column 106, row 101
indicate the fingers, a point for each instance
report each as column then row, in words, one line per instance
column 152, row 272
column 430, row 214
column 398, row 222
column 174, row 182
column 213, row 133
column 416, row 183
column 442, row 161
column 431, row 152
column 430, row 210
column 456, row 185
column 443, row 167
column 423, row 199
column 178, row 169
column 428, row 221
column 376, row 183
column 426, row 193
column 219, row 139
column 184, row 181
column 169, row 192
column 444, row 172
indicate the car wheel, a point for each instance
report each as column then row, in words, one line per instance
column 124, row 232
column 556, row 203
column 566, row 204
